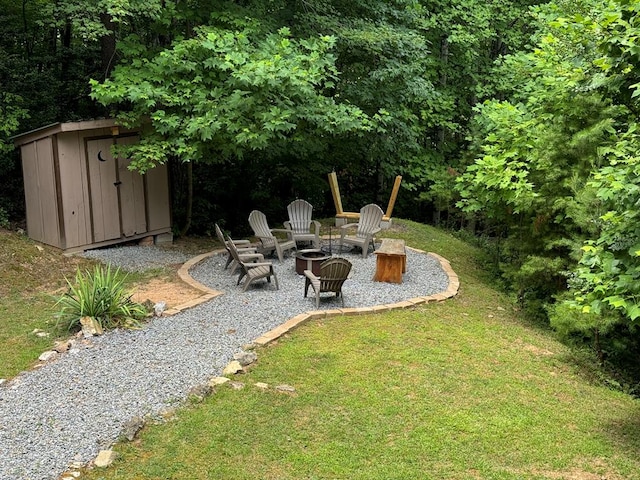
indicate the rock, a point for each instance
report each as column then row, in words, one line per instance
column 159, row 308
column 3, row 380
column 236, row 385
column 262, row 385
column 62, row 347
column 42, row 334
column 200, row 392
column 245, row 358
column 48, row 356
column 90, row 327
column 216, row 381
column 249, row 346
column 105, row 458
column 132, row 427
column 233, row 368
column 285, row 388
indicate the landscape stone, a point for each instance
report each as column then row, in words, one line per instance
column 159, row 308
column 285, row 388
column 216, row 381
column 105, row 458
column 62, row 347
column 232, row 368
column 199, row 392
column 48, row 355
column 262, row 385
column 132, row 427
column 236, row 385
column 245, row 358
column 90, row 327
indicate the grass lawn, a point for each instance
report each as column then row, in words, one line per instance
column 464, row 389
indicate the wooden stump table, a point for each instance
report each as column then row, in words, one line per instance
column 391, row 261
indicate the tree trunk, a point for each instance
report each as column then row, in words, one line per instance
column 107, row 44
column 187, row 221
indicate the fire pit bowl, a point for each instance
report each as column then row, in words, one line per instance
column 310, row 260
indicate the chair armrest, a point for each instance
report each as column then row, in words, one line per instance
column 288, row 231
column 241, row 242
column 348, row 225
column 310, row 275
column 258, row 264
column 344, row 228
column 246, row 249
column 316, row 225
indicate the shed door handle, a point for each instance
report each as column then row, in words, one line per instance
column 117, row 184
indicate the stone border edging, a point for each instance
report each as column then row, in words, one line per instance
column 208, row 294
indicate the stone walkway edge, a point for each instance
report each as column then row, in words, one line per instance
column 208, row 294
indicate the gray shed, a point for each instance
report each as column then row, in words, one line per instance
column 79, row 197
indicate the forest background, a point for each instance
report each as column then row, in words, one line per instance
column 513, row 121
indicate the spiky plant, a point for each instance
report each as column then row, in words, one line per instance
column 99, row 294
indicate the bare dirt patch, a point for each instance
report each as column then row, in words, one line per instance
column 172, row 292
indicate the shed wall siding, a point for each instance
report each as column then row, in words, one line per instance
column 131, row 190
column 41, row 201
column 104, row 193
column 76, row 201
column 74, row 190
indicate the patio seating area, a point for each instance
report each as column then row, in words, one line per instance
column 425, row 277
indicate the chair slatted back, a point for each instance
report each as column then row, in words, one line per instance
column 370, row 218
column 300, row 214
column 260, row 227
column 333, row 273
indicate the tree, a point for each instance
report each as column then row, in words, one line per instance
column 225, row 92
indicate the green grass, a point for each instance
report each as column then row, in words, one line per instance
column 460, row 389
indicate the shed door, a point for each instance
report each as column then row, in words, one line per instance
column 103, row 184
column 132, row 203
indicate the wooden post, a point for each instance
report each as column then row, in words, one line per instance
column 335, row 192
column 394, row 195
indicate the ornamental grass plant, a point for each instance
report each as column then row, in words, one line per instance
column 99, row 293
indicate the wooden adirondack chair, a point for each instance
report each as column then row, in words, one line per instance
column 268, row 241
column 246, row 252
column 300, row 223
column 253, row 271
column 366, row 228
column 333, row 273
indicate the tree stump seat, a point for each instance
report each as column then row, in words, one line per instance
column 391, row 261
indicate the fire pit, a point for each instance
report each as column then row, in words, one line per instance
column 310, row 260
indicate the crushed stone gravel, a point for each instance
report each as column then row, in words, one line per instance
column 69, row 409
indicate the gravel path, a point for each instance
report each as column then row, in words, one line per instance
column 73, row 407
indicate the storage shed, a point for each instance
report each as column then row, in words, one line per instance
column 79, row 197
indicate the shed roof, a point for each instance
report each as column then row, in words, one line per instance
column 54, row 128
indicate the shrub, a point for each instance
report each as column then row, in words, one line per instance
column 99, row 294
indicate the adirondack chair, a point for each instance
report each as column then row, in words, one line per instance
column 253, row 271
column 366, row 228
column 333, row 273
column 246, row 252
column 268, row 241
column 300, row 223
